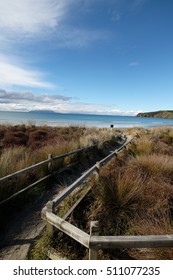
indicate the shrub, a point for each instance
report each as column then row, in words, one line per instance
column 12, row 138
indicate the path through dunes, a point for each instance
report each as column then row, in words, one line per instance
column 27, row 225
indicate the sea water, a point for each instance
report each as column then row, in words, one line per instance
column 57, row 119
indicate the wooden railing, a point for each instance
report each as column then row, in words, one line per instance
column 47, row 162
column 93, row 241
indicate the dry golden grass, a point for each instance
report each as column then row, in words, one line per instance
column 153, row 165
column 25, row 145
column 143, row 147
column 13, row 159
column 135, row 193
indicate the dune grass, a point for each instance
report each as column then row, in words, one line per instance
column 25, row 145
column 134, row 195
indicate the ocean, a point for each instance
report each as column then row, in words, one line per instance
column 57, row 119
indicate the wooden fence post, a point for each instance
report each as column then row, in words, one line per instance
column 50, row 207
column 115, row 156
column 94, row 230
column 50, row 163
column 97, row 170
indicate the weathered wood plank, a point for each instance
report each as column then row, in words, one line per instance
column 106, row 159
column 77, row 183
column 111, row 155
column 149, row 241
column 23, row 171
column 25, row 189
column 68, row 229
column 73, row 186
column 39, row 164
column 31, row 186
column 94, row 231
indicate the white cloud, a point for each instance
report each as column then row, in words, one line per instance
column 26, row 101
column 12, row 74
column 30, row 16
column 13, row 107
column 45, row 20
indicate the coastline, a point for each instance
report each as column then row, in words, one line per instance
column 82, row 120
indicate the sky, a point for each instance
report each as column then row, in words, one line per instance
column 86, row 56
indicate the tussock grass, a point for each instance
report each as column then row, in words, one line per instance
column 143, row 147
column 122, row 189
column 116, row 198
column 135, row 193
column 154, row 165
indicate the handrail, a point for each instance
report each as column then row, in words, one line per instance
column 23, row 171
column 68, row 228
column 78, row 182
column 140, row 241
column 94, row 242
column 39, row 164
column 86, row 175
column 31, row 186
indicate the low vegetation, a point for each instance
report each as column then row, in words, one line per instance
column 24, row 145
column 165, row 114
column 134, row 196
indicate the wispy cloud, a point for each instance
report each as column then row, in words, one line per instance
column 79, row 37
column 31, row 17
column 44, row 20
column 12, row 74
column 134, row 63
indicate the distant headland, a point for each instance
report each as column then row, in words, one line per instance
column 164, row 114
column 42, row 111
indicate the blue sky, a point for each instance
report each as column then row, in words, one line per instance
column 86, row 56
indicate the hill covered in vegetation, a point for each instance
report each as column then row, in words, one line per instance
column 165, row 114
